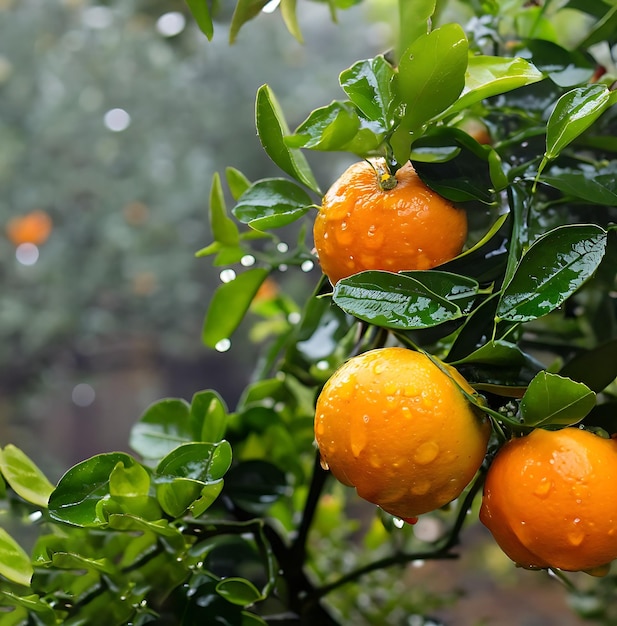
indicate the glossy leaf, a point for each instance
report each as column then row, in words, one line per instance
column 209, row 493
column 460, row 290
column 31, row 602
column 272, row 128
column 596, row 368
column 574, row 113
column 488, row 76
column 15, row 564
column 554, row 400
column 368, row 85
column 164, row 426
column 202, row 16
column 208, row 416
column 553, row 268
column 245, row 10
column 76, row 499
column 133, row 480
column 24, row 477
column 202, row 462
column 239, row 591
column 393, row 301
column 414, row 21
column 256, row 485
column 591, row 187
column 272, row 203
column 498, row 353
column 176, row 495
column 223, row 228
column 229, row 304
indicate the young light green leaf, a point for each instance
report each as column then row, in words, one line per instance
column 245, row 10
column 431, row 77
column 223, row 228
column 24, row 477
column 554, row 400
column 393, row 301
column 164, row 426
column 272, row 128
column 288, row 12
column 414, row 21
column 272, row 203
column 574, row 113
column 369, row 87
column 237, row 182
column 229, row 304
column 15, row 564
column 553, row 268
column 201, row 14
column 208, row 416
column 488, row 76
column 132, row 481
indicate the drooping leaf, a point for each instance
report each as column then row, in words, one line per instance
column 223, row 228
column 290, row 17
column 553, row 268
column 272, row 203
column 15, row 564
column 24, row 477
column 551, row 399
column 202, row 16
column 272, row 128
column 164, row 426
column 393, row 301
column 414, row 21
column 229, row 304
column 245, row 10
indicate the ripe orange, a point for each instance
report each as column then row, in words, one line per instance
column 549, row 499
column 393, row 425
column 34, row 227
column 363, row 226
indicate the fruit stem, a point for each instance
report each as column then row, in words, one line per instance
column 387, row 179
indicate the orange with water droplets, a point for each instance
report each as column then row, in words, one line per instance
column 550, row 500
column 370, row 220
column 397, row 427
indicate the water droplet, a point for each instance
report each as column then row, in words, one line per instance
column 409, row 391
column 319, row 426
column 322, row 365
column 426, row 452
column 379, row 368
column 343, row 225
column 366, row 419
column 420, row 487
column 398, row 522
column 307, row 265
column 222, row 345
column 359, row 438
column 390, row 388
column 247, row 260
column 324, row 464
column 281, row 246
column 543, row 488
column 576, row 536
column 391, row 401
column 347, row 387
column 294, row 317
column 227, row 275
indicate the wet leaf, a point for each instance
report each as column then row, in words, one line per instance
column 15, row 564
column 553, row 268
column 202, row 462
column 591, row 187
column 208, row 416
column 24, row 477
column 393, row 301
column 554, row 400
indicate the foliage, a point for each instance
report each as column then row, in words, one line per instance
column 220, row 520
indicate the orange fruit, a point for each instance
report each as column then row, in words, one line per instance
column 34, row 227
column 549, row 499
column 396, row 427
column 363, row 226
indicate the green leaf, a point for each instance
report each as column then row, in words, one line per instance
column 209, row 493
column 208, row 416
column 272, row 203
column 24, row 477
column 238, row 183
column 176, row 495
column 202, row 462
column 460, row 290
column 32, row 602
column 229, row 304
column 83, row 491
column 565, row 68
column 554, row 400
column 574, row 113
column 414, row 21
column 272, row 128
column 596, row 368
column 256, row 485
column 369, row 87
column 164, row 426
column 603, row 30
column 132, row 481
column 431, row 77
column 245, row 10
column 338, row 127
column 15, row 564
column 589, row 186
column 488, row 76
column 223, row 228
column 393, row 301
column 239, row 591
column 201, row 14
column 288, row 12
column 553, row 268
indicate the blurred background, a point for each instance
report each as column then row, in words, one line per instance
column 113, row 119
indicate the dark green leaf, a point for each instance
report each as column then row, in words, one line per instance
column 223, row 228
column 589, row 186
column 256, row 485
column 239, row 591
column 201, row 14
column 393, row 301
column 554, row 400
column 245, row 10
column 164, row 426
column 460, row 290
column 272, row 203
column 15, row 564
column 596, row 368
column 272, row 128
column 369, row 87
column 76, row 500
column 498, row 353
column 24, row 477
column 564, row 67
column 553, row 268
column 229, row 304
column 604, row 30
column 208, row 416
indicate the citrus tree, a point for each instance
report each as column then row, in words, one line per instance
column 416, row 378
